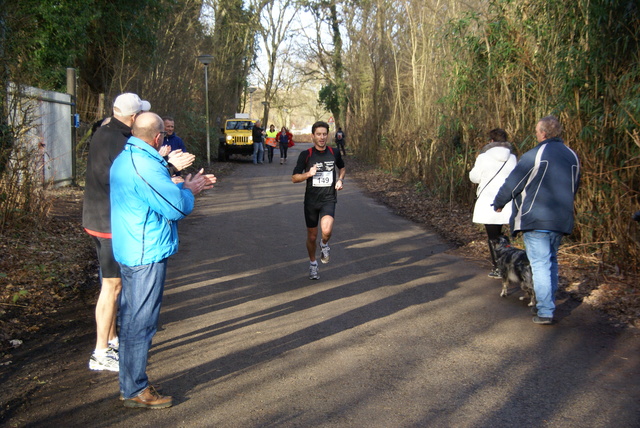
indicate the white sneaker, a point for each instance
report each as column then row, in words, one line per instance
column 313, row 272
column 113, row 352
column 108, row 362
column 324, row 249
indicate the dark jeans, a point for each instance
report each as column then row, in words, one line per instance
column 270, row 153
column 283, row 150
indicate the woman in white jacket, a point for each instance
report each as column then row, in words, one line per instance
column 493, row 165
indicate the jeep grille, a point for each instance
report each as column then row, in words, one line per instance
column 240, row 140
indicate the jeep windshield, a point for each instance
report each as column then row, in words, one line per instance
column 242, row 125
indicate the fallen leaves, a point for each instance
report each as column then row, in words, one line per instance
column 43, row 267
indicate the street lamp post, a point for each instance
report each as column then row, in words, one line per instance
column 206, row 60
column 286, row 117
column 251, row 91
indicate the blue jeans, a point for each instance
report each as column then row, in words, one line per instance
column 140, row 301
column 542, row 251
column 258, row 152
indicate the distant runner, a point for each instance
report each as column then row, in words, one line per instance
column 340, row 139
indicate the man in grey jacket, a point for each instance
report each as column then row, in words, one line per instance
column 543, row 187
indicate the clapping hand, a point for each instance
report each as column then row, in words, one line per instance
column 181, row 160
column 164, row 150
column 199, row 182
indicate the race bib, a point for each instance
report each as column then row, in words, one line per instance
column 323, row 179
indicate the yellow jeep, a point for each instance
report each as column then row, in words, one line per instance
column 237, row 138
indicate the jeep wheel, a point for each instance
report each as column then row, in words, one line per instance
column 222, row 155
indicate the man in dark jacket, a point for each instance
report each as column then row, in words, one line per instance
column 258, row 146
column 174, row 151
column 171, row 139
column 543, row 187
column 106, row 145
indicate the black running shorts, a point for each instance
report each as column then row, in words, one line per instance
column 109, row 268
column 314, row 212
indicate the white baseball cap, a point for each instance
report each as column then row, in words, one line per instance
column 129, row 104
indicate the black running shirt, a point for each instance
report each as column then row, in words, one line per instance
column 322, row 186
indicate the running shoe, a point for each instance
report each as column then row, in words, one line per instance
column 113, row 352
column 324, row 249
column 313, row 272
column 108, row 362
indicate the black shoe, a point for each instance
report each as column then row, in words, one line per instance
column 495, row 273
column 542, row 320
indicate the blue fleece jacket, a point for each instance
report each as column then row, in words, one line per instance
column 174, row 142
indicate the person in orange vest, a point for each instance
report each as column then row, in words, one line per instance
column 271, row 141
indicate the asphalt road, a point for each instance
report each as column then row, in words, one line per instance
column 396, row 333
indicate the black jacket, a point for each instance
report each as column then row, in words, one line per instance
column 256, row 133
column 106, row 145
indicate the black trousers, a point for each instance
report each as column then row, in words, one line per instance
column 493, row 231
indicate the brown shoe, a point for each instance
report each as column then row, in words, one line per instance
column 158, row 389
column 149, row 399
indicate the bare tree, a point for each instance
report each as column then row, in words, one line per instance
column 275, row 29
column 328, row 56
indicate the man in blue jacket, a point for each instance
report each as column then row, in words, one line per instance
column 543, row 186
column 171, row 139
column 145, row 208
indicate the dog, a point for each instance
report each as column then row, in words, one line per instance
column 514, row 267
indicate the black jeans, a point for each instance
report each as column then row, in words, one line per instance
column 283, row 150
column 493, row 231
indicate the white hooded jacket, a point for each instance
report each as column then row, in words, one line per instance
column 485, row 174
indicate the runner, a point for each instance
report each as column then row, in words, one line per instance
column 317, row 166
